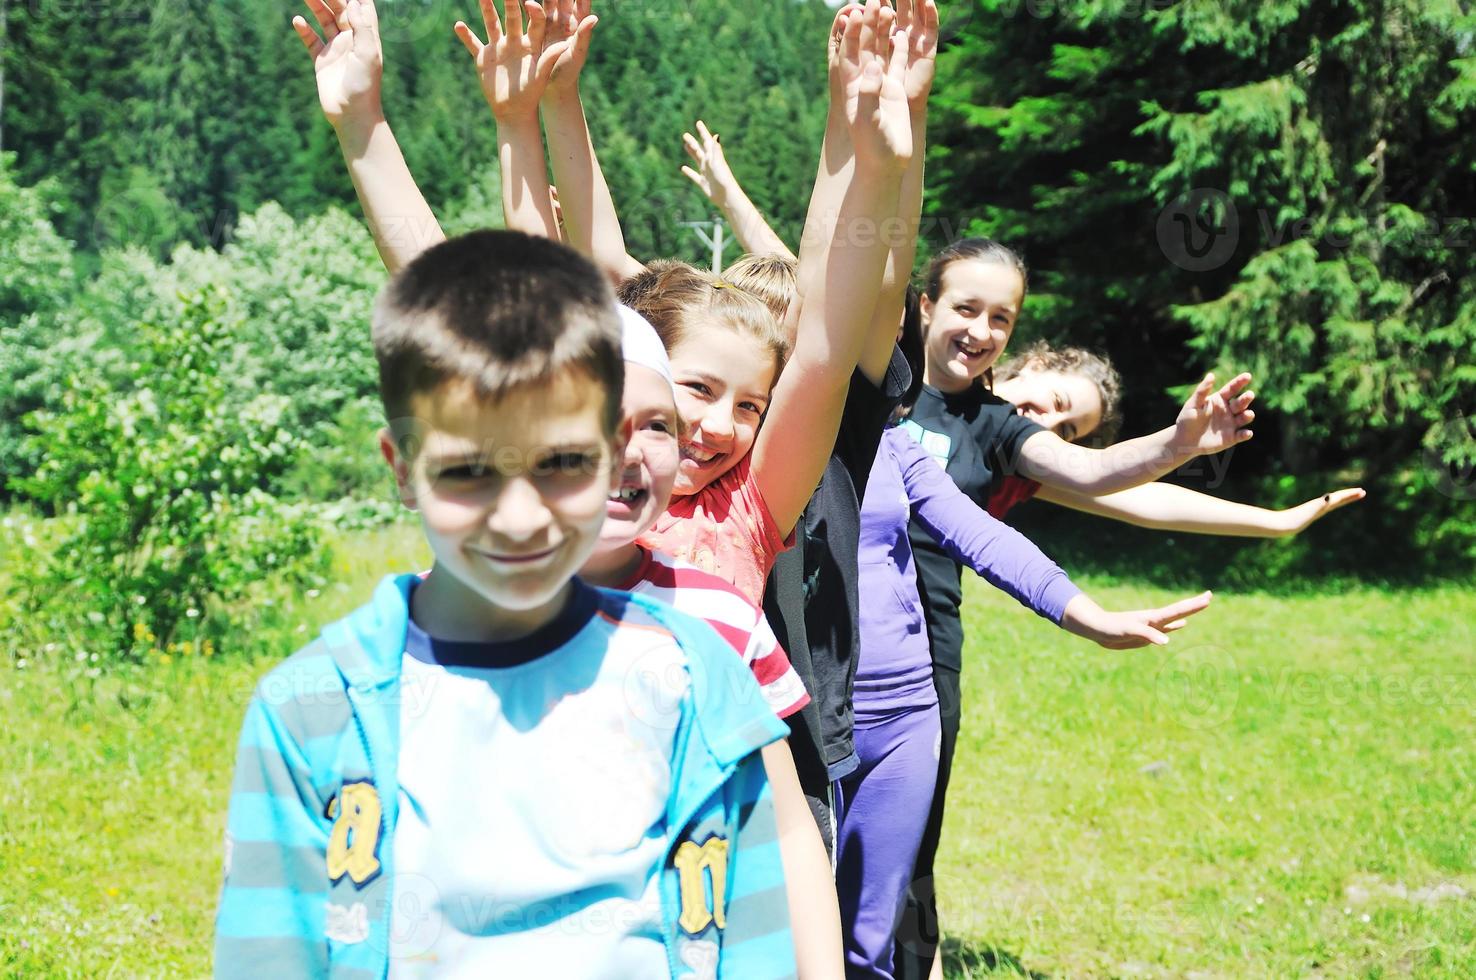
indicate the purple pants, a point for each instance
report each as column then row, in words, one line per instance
column 882, row 810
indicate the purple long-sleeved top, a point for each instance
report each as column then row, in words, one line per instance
column 905, row 481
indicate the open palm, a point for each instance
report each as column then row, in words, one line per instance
column 1211, row 420
column 514, row 65
column 919, row 18
column 347, row 59
column 871, row 69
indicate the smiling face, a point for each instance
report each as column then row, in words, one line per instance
column 649, row 466
column 970, row 322
column 723, row 380
column 511, row 494
column 1068, row 404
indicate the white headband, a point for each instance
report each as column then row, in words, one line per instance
column 640, row 344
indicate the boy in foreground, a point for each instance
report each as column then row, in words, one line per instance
column 500, row 770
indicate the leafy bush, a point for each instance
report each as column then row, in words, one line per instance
column 36, row 281
column 161, row 492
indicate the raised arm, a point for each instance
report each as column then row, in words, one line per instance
column 591, row 224
column 919, row 18
column 835, row 309
column 515, row 66
column 714, row 179
column 1210, row 421
column 1167, row 507
column 348, row 63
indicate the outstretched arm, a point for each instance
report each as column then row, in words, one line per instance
column 998, row 553
column 1012, row 563
column 348, row 63
column 714, row 179
column 591, row 224
column 1167, row 507
column 836, row 307
column 514, row 67
column 1210, row 421
column 1128, row 630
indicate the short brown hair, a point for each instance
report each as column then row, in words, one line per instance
column 498, row 310
column 677, row 296
column 1096, row 368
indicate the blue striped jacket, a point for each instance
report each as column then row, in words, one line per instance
column 309, row 881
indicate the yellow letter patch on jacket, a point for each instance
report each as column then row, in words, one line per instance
column 691, row 861
column 355, row 837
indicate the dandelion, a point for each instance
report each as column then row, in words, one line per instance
column 1366, row 917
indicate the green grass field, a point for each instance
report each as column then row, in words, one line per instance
column 1285, row 791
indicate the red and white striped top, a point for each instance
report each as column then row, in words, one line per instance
column 690, row 590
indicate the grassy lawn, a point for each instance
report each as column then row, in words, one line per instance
column 1285, row 791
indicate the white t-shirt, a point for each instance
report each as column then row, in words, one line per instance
column 531, row 829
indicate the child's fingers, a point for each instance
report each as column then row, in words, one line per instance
column 326, row 17
column 550, row 59
column 537, row 21
column 469, row 39
column 930, row 23
column 897, row 65
column 1182, row 609
column 705, row 133
column 1242, row 401
column 886, row 21
column 583, row 35
column 695, row 178
column 1205, row 388
column 1235, row 385
column 514, row 14
column 1342, row 498
column 851, row 40
column 491, row 21
column 904, row 13
column 870, row 18
column 308, row 35
column 369, row 15
column 694, row 149
column 361, row 23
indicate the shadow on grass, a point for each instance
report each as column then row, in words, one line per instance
column 963, row 960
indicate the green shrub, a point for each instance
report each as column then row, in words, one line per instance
column 161, row 492
column 36, row 282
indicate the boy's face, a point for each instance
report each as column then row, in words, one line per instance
column 511, row 493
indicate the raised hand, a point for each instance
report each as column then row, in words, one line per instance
column 712, row 175
column 347, row 60
column 919, row 18
column 569, row 20
column 514, row 65
column 1211, row 420
column 1299, row 517
column 871, row 70
column 1129, row 630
